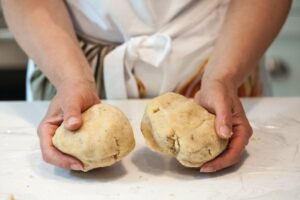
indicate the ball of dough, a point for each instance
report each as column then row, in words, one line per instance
column 177, row 126
column 104, row 138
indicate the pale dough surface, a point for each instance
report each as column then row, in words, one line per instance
column 177, row 126
column 105, row 137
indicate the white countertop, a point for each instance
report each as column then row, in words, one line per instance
column 270, row 168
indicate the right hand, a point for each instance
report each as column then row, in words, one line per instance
column 71, row 100
column 220, row 97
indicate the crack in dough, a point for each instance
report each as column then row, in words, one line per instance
column 173, row 139
column 117, row 154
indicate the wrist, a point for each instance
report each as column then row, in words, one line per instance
column 80, row 75
column 76, row 83
column 230, row 73
column 227, row 81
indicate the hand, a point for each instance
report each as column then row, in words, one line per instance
column 231, row 122
column 70, row 101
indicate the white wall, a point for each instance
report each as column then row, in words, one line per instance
column 287, row 48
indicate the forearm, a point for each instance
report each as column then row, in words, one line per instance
column 249, row 28
column 45, row 32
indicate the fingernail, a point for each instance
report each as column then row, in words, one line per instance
column 72, row 121
column 76, row 167
column 225, row 131
column 207, row 169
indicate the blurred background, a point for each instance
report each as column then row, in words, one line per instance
column 283, row 60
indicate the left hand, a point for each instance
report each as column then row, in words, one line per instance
column 221, row 98
column 72, row 98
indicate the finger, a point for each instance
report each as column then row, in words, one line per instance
column 222, row 107
column 53, row 117
column 233, row 152
column 51, row 154
column 72, row 115
column 223, row 110
column 53, row 109
column 97, row 100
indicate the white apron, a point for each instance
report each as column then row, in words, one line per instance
column 162, row 42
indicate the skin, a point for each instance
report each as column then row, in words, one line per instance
column 250, row 27
column 45, row 32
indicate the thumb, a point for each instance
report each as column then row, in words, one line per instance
column 72, row 116
column 223, row 122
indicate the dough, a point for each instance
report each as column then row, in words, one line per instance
column 177, row 126
column 104, row 138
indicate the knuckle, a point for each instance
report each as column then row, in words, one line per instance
column 49, row 157
column 236, row 159
column 40, row 129
column 250, row 131
column 226, row 119
column 45, row 157
column 224, row 115
column 63, row 165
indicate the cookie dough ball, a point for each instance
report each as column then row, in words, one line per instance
column 177, row 126
column 104, row 138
